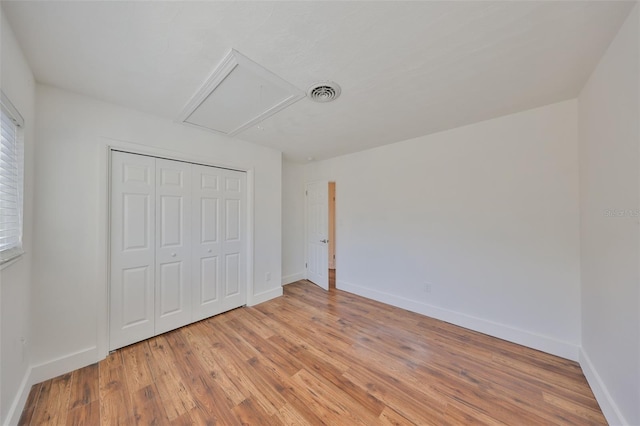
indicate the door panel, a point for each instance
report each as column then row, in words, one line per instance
column 232, row 222
column 209, row 220
column 218, row 197
column 170, row 294
column 173, row 249
column 233, row 184
column 132, row 298
column 172, row 215
column 209, row 279
column 207, row 247
column 317, row 195
column 135, row 282
column 135, row 212
column 232, row 269
column 233, row 246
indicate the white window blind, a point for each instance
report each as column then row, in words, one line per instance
column 11, row 176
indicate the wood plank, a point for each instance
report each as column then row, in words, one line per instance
column 408, row 402
column 30, row 405
column 391, row 417
column 331, row 404
column 202, row 418
column 147, row 407
column 134, row 359
column 182, row 420
column 115, row 398
column 207, row 394
column 45, row 398
column 290, row 416
column 321, row 367
column 53, row 402
column 216, row 371
column 249, row 413
column 269, row 380
column 284, row 361
column 84, row 386
column 174, row 394
column 579, row 411
column 85, row 415
column 237, row 374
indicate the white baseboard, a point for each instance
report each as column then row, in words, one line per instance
column 15, row 411
column 45, row 371
column 64, row 364
column 505, row 332
column 256, row 299
column 607, row 404
column 292, row 278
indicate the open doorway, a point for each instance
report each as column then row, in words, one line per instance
column 332, row 235
column 320, row 234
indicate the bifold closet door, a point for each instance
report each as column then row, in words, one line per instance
column 178, row 245
column 173, row 245
column 133, row 246
column 219, row 240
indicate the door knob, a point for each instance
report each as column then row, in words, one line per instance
column 173, row 255
column 324, row 241
column 209, row 251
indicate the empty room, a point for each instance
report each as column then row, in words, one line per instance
column 320, row 212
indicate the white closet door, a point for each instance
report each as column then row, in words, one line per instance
column 131, row 316
column 219, row 241
column 178, row 245
column 173, row 245
column 207, row 244
column 234, row 239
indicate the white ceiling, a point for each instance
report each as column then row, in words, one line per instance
column 406, row 68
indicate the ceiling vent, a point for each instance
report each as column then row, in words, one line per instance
column 239, row 94
column 324, row 91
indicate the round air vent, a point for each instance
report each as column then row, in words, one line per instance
column 324, row 91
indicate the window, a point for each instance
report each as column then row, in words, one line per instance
column 11, row 175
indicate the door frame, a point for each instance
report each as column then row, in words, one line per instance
column 104, row 209
column 332, row 225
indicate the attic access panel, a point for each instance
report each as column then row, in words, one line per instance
column 238, row 94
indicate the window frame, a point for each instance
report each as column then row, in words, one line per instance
column 7, row 108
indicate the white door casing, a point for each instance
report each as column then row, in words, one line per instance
column 173, row 245
column 317, row 234
column 132, row 294
column 332, row 225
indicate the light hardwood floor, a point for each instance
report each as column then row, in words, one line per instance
column 315, row 357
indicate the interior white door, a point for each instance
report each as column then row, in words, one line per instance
column 317, row 195
column 132, row 271
column 173, row 245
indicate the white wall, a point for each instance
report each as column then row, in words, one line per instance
column 609, row 116
column 485, row 214
column 292, row 222
column 69, row 288
column 15, row 279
